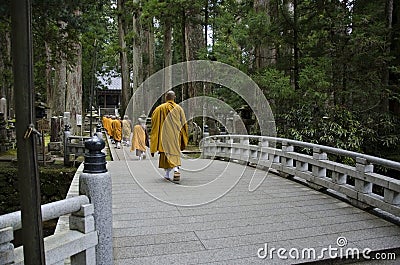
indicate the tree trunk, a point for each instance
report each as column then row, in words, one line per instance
column 137, row 65
column 49, row 80
column 389, row 26
column 167, row 52
column 6, row 87
column 148, row 50
column 295, row 45
column 74, row 90
column 125, row 89
column 194, row 41
column 394, row 83
column 183, row 51
column 148, row 58
column 265, row 52
column 59, row 89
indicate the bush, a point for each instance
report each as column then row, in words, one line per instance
column 54, row 184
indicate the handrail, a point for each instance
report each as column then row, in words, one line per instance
column 332, row 150
column 359, row 184
column 49, row 211
column 77, row 243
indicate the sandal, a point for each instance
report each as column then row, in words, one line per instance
column 177, row 176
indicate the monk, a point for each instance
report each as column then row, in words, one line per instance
column 169, row 135
column 109, row 129
column 106, row 124
column 126, row 130
column 140, row 139
column 117, row 131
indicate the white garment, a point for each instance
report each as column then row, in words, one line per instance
column 167, row 173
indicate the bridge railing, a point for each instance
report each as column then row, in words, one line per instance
column 78, row 243
column 310, row 163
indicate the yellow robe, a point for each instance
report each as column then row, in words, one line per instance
column 107, row 125
column 116, row 130
column 169, row 133
column 138, row 138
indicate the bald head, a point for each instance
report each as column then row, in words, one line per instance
column 170, row 95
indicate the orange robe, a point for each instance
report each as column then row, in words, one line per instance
column 169, row 133
column 107, row 125
column 138, row 138
column 116, row 130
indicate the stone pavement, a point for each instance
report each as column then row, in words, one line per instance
column 232, row 229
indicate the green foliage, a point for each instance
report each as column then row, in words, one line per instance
column 314, row 76
column 337, row 128
column 54, row 185
column 275, row 84
column 347, row 70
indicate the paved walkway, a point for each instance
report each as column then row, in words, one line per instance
column 232, row 229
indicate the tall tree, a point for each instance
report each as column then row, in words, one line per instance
column 124, row 64
column 137, row 61
column 265, row 51
column 5, row 58
column 194, row 40
column 74, row 89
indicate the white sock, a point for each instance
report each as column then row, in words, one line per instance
column 167, row 171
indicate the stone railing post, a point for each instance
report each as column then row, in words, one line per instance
column 287, row 162
column 318, row 171
column 228, row 150
column 262, row 143
column 208, row 149
column 6, row 247
column 362, row 166
column 244, row 149
column 95, row 182
column 361, row 185
column 83, row 221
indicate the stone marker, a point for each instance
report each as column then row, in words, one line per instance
column 3, row 107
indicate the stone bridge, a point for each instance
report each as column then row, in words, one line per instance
column 228, row 210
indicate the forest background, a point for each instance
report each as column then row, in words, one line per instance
column 330, row 69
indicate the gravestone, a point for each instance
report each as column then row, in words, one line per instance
column 55, row 144
column 11, row 133
column 55, row 128
column 3, row 108
column 67, row 119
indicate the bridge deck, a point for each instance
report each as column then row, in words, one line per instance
column 232, row 229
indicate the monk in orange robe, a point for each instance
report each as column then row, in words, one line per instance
column 169, row 135
column 107, row 124
column 117, row 131
column 140, row 139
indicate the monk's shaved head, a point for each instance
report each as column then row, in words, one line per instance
column 170, row 95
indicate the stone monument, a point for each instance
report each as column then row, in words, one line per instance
column 3, row 108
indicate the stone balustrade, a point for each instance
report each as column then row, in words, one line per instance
column 74, row 146
column 89, row 238
column 313, row 165
column 78, row 243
